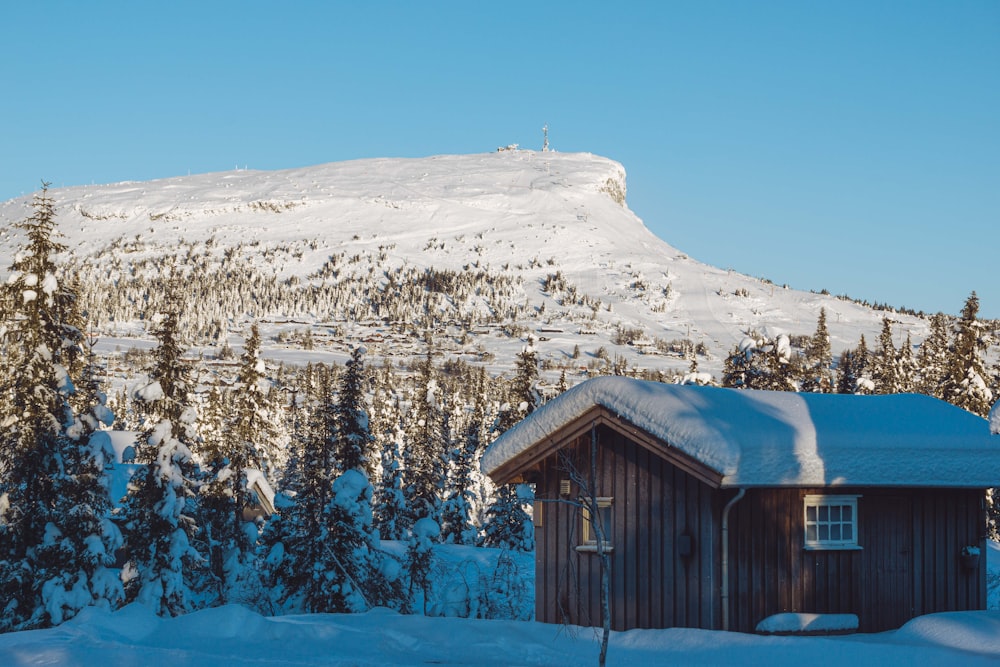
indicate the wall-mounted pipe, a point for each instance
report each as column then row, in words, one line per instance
column 725, row 556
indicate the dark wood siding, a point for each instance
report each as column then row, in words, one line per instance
column 908, row 563
column 655, row 503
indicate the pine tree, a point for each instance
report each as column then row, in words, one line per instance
column 56, row 537
column 964, row 383
column 457, row 512
column 355, row 579
column 160, row 509
column 745, row 367
column 507, row 522
column 508, row 525
column 562, row 386
column 852, row 371
column 932, row 357
column 847, row 378
column 353, row 432
column 391, row 516
column 238, row 457
column 817, row 374
column 419, row 562
column 390, row 513
column 523, row 397
column 424, row 455
column 907, row 368
column 351, row 560
column 783, row 367
column 308, row 537
column 885, row 362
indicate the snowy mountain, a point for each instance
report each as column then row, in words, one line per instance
column 485, row 250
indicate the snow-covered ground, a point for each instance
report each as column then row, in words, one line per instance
column 233, row 635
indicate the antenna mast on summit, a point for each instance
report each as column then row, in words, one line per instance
column 545, row 136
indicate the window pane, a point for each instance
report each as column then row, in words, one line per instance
column 824, row 532
column 811, row 513
column 811, row 532
column 835, row 513
column 848, row 531
column 824, row 513
column 835, row 531
column 847, row 512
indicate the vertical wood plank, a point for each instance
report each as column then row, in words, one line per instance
column 705, row 545
column 679, row 570
column 666, row 541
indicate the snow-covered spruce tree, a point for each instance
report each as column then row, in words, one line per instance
column 562, row 386
column 818, row 373
column 164, row 571
column 353, row 430
column 297, row 560
column 419, row 562
column 852, row 371
column 238, row 459
column 356, row 576
column 524, row 395
column 281, row 540
column 424, row 455
column 885, row 362
column 906, row 365
column 964, row 382
column 746, row 366
column 932, row 357
column 463, row 462
column 389, row 503
column 56, row 537
column 507, row 523
column 784, row 366
column 391, row 517
column 321, row 555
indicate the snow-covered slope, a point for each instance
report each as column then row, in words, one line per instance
column 584, row 267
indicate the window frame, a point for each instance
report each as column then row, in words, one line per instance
column 605, row 505
column 819, row 522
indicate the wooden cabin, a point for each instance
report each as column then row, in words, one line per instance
column 723, row 507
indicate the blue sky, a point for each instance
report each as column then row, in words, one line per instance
column 851, row 146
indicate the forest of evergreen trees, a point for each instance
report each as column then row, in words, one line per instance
column 360, row 455
column 358, row 458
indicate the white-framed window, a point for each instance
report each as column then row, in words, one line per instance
column 605, row 517
column 831, row 522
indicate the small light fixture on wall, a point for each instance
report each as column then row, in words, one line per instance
column 969, row 558
column 564, row 487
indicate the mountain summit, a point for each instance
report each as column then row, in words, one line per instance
column 496, row 246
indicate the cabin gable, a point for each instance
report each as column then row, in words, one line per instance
column 527, row 464
column 664, row 569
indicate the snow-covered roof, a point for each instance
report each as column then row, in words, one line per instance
column 770, row 438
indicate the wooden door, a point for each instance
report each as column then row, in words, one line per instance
column 887, row 586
